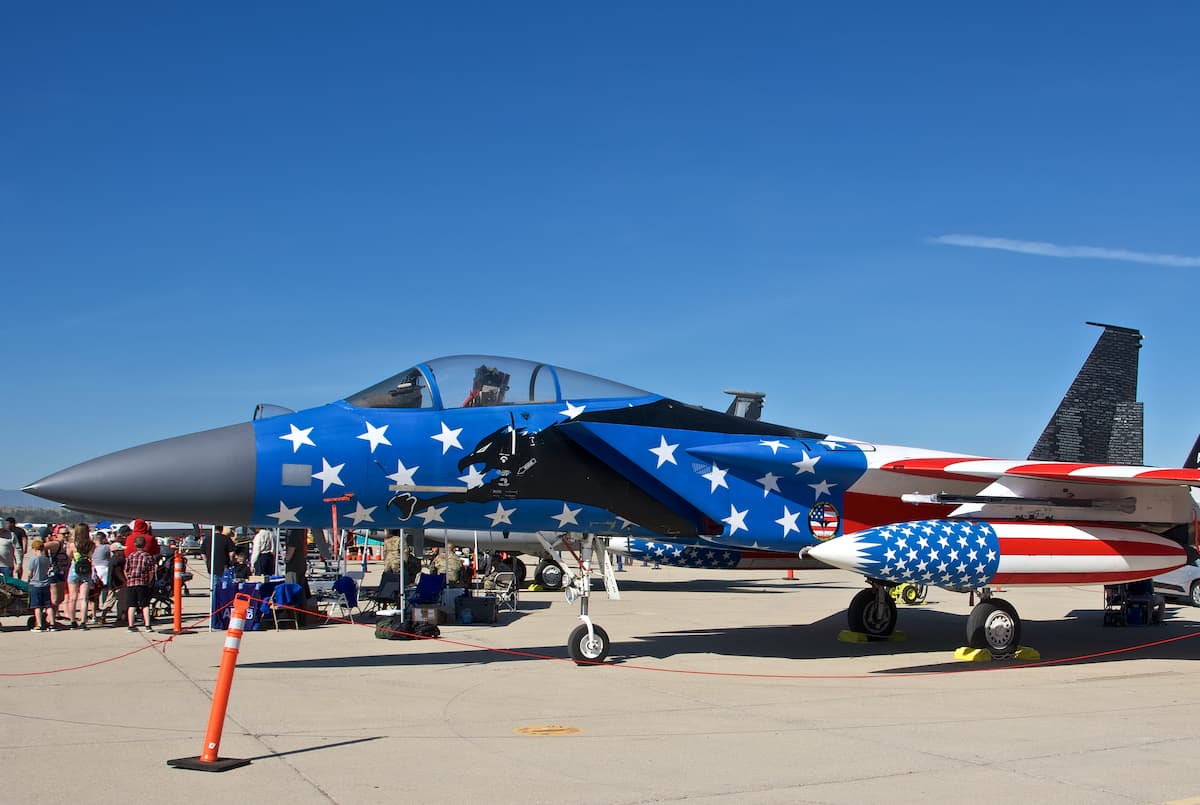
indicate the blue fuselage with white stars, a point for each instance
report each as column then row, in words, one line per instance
column 752, row 491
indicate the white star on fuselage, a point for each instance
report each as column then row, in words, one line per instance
column 448, row 437
column 361, row 514
column 774, row 444
column 665, row 452
column 568, row 516
column 808, row 464
column 403, row 476
column 375, row 436
column 473, row 478
column 298, row 437
column 822, row 488
column 716, row 477
column 329, row 475
column 501, row 515
column 572, row 411
column 286, row 514
column 770, row 483
column 432, row 514
column 788, row 521
column 736, row 520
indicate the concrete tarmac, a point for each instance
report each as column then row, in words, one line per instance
column 723, row 687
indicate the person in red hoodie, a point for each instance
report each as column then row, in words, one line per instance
column 141, row 529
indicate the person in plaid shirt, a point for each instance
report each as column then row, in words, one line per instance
column 139, row 574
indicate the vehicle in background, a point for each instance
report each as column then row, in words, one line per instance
column 1181, row 583
column 190, row 545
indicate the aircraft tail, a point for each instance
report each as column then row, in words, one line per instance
column 1192, row 462
column 1099, row 420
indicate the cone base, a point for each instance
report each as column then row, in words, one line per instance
column 196, row 764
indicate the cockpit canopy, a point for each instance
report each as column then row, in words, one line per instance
column 464, row 381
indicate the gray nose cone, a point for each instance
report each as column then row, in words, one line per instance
column 205, row 477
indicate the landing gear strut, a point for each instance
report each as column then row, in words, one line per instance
column 588, row 644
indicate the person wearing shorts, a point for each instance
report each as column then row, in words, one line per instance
column 139, row 573
column 37, row 573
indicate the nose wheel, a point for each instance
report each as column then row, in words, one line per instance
column 588, row 647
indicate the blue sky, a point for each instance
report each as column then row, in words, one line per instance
column 208, row 206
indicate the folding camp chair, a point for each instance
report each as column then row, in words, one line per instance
column 385, row 596
column 284, row 596
column 428, row 591
column 505, row 591
column 343, row 596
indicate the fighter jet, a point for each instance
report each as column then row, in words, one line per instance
column 493, row 443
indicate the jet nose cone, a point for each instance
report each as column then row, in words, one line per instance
column 205, row 477
column 847, row 552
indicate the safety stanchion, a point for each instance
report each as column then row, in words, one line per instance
column 177, row 599
column 209, row 760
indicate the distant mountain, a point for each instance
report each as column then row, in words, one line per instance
column 16, row 499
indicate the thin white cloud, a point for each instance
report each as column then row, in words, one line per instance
column 1054, row 250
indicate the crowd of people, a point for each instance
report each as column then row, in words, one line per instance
column 75, row 575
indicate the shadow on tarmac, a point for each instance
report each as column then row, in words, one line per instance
column 1076, row 639
column 315, row 748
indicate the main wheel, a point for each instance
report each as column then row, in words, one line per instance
column 994, row 625
column 1194, row 594
column 585, row 651
column 872, row 614
column 549, row 575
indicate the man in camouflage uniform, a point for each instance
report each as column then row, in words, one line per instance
column 391, row 551
column 448, row 562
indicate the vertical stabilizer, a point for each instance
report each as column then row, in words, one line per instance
column 1099, row 421
column 1192, row 462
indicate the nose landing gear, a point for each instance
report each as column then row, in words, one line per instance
column 588, row 644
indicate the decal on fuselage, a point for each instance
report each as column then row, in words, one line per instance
column 824, row 520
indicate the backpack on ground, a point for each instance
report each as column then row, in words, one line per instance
column 391, row 627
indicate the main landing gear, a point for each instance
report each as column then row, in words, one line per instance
column 588, row 644
column 993, row 624
column 873, row 611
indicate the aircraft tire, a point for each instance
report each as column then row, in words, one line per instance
column 1194, row 594
column 910, row 594
column 870, row 615
column 549, row 575
column 585, row 652
column 995, row 626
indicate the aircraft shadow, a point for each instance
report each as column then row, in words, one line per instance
column 1080, row 638
column 1077, row 638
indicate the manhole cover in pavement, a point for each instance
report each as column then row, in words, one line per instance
column 548, row 730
